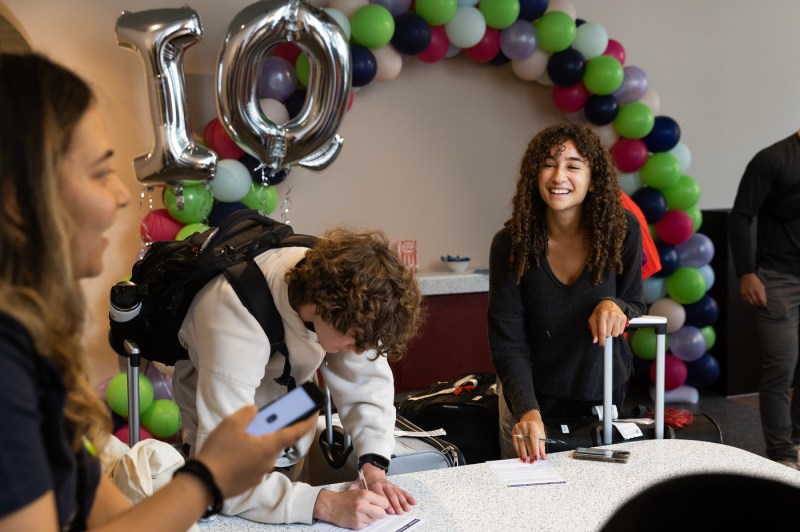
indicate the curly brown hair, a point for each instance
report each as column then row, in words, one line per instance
column 360, row 285
column 603, row 213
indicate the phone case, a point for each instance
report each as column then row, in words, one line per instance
column 601, row 455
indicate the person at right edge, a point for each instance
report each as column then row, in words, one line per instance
column 565, row 273
column 769, row 280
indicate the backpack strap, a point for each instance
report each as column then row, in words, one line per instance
column 251, row 286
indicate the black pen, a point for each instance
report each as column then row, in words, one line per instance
column 546, row 440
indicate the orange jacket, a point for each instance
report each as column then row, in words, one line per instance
column 651, row 262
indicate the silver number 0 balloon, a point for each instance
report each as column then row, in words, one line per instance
column 309, row 138
column 160, row 37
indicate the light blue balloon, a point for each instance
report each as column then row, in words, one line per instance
column 684, row 156
column 654, row 289
column 708, row 274
column 591, row 40
column 630, row 182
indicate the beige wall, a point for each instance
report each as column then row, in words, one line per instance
column 432, row 154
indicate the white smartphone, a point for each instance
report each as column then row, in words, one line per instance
column 297, row 404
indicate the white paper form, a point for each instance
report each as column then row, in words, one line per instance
column 390, row 523
column 514, row 473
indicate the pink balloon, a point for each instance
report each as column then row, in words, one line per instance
column 675, row 372
column 571, row 99
column 629, row 154
column 675, row 227
column 286, row 50
column 218, row 140
column 615, row 49
column 487, row 48
column 158, row 225
column 438, row 46
column 123, row 433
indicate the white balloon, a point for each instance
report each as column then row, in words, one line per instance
column 670, row 309
column 232, row 181
column 630, row 182
column 348, row 7
column 390, row 63
column 533, row 67
column 562, row 5
column 274, row 110
column 652, row 99
column 607, row 133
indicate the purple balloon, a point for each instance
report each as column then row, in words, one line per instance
column 634, row 85
column 687, row 343
column 395, row 7
column 278, row 79
column 518, row 41
column 696, row 252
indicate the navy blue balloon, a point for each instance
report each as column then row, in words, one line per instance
column 364, row 65
column 651, row 202
column 670, row 260
column 532, row 9
column 600, row 110
column 412, row 34
column 641, row 371
column 499, row 59
column 222, row 209
column 566, row 68
column 702, row 372
column 702, row 313
column 294, row 103
column 579, row 22
column 664, row 136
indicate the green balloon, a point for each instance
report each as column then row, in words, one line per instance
column 301, row 68
column 710, row 335
column 555, row 31
column 262, row 198
column 189, row 229
column 686, row 285
column 683, row 194
column 696, row 215
column 436, row 12
column 603, row 75
column 372, row 26
column 651, row 228
column 499, row 14
column 162, row 419
column 643, row 343
column 660, row 170
column 634, row 120
column 197, row 203
column 117, row 393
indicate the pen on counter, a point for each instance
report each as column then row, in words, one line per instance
column 362, row 479
column 546, row 440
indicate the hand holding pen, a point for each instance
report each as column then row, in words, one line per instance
column 545, row 440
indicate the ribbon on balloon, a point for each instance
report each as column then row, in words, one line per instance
column 309, row 139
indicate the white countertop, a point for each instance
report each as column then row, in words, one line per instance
column 470, row 498
column 445, row 282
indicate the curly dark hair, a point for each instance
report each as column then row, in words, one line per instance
column 360, row 285
column 603, row 212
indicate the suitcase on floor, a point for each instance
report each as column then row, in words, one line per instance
column 466, row 408
column 588, row 431
column 331, row 458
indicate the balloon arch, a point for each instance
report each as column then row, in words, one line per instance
column 286, row 113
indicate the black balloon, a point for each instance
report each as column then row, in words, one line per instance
column 566, row 68
column 365, row 66
column 412, row 34
column 664, row 136
column 600, row 109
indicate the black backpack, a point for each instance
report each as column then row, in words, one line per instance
column 148, row 310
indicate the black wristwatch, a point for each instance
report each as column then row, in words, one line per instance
column 375, row 459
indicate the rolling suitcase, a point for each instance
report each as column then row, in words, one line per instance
column 466, row 408
column 332, row 461
column 588, row 431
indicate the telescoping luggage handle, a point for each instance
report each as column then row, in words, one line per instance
column 659, row 323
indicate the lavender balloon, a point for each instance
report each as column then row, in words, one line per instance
column 518, row 41
column 634, row 85
column 687, row 343
column 278, row 79
column 696, row 252
column 395, row 7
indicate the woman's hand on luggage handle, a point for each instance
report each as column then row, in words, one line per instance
column 607, row 319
